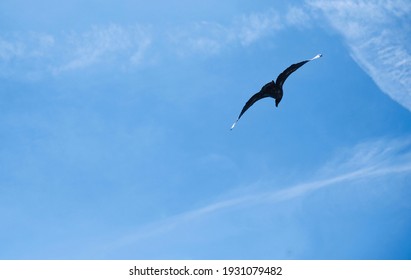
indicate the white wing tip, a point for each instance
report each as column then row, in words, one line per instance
column 317, row 56
column 233, row 125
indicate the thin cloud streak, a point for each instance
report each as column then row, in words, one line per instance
column 385, row 158
column 294, row 191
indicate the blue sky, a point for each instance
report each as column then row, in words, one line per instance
column 115, row 130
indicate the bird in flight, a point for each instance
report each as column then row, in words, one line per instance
column 273, row 89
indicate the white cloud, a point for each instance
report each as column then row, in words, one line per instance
column 211, row 37
column 298, row 16
column 201, row 37
column 28, row 54
column 104, row 44
column 25, row 46
column 251, row 28
column 140, row 52
column 133, row 45
column 25, row 55
column 377, row 33
column 208, row 37
column 10, row 49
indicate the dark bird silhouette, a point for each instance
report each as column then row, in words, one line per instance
column 273, row 89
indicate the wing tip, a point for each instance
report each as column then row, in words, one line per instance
column 317, row 56
column 233, row 125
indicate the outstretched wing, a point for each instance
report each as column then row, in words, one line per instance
column 259, row 95
column 287, row 72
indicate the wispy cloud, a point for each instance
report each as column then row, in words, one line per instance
column 201, row 37
column 25, row 46
column 364, row 162
column 298, row 16
column 130, row 45
column 254, row 26
column 25, row 54
column 10, row 50
column 133, row 45
column 104, row 44
column 37, row 54
column 377, row 33
column 212, row 37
